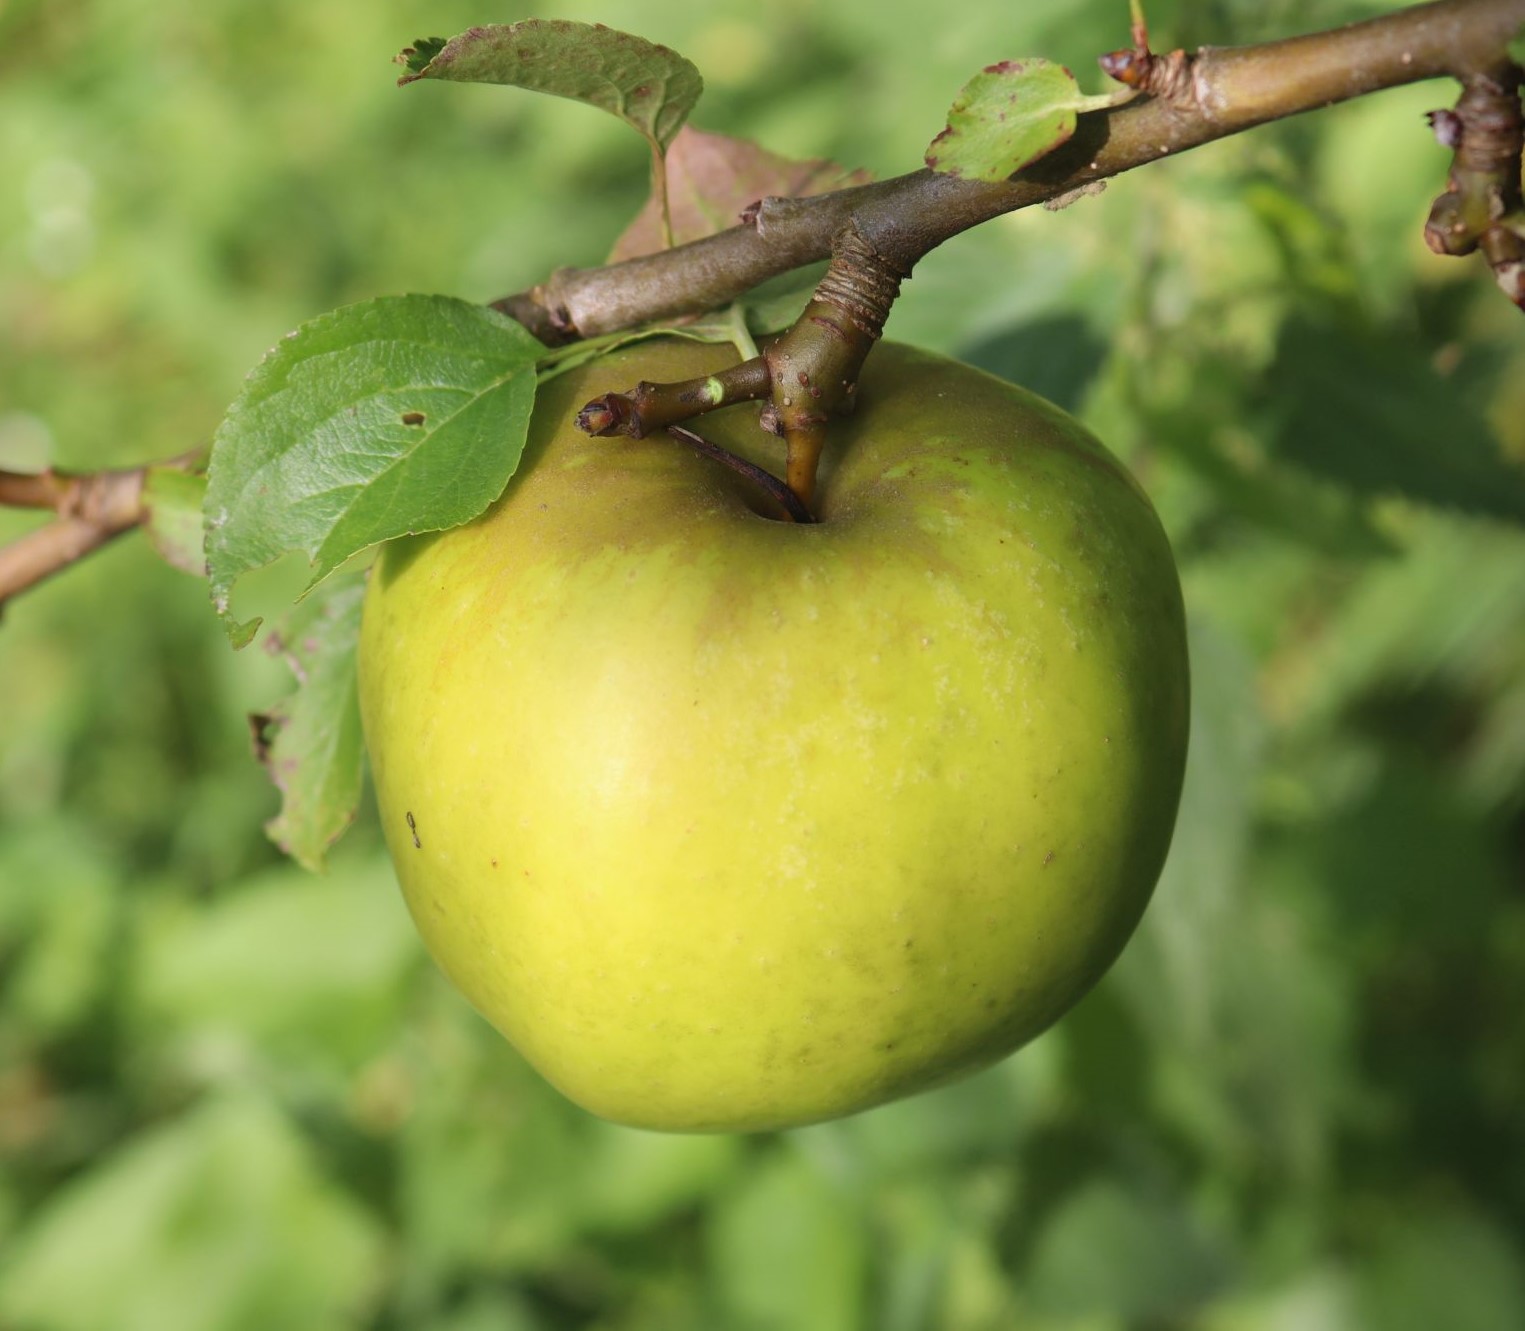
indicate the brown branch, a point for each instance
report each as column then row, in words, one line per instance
column 92, row 508
column 1228, row 90
column 650, row 407
column 29, row 559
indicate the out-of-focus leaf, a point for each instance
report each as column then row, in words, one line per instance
column 216, row 1220
column 492, row 1311
column 1109, row 1253
column 1006, row 117
column 1107, row 1053
column 1437, row 1266
column 984, row 1117
column 628, row 1181
column 649, row 87
column 1249, row 1032
column 711, row 178
column 58, row 915
column 1285, row 501
column 1381, row 858
column 1403, row 625
column 1195, row 403
column 1056, row 356
column 490, row 1129
column 1369, row 411
column 1203, row 875
column 916, row 1230
column 398, row 415
column 310, row 742
column 1318, row 1300
column 290, row 966
column 786, row 1217
column 174, row 499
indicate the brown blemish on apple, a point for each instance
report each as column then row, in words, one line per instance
column 413, row 830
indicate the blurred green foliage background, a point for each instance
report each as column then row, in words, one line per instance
column 234, row 1096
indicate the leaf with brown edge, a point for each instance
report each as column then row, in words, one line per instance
column 712, row 178
column 310, row 743
column 649, row 87
column 1006, row 117
column 417, row 57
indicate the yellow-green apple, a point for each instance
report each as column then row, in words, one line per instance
column 732, row 824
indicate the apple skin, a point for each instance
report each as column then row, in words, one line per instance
column 731, row 824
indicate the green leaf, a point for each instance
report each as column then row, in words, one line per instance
column 1006, row 117
column 175, row 499
column 398, row 415
column 647, row 86
column 310, row 742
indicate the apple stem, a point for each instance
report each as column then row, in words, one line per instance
column 815, row 364
column 783, row 495
column 809, row 374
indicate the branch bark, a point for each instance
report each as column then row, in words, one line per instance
column 1222, row 92
column 92, row 509
column 1482, row 207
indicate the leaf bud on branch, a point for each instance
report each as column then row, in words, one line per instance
column 1482, row 208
